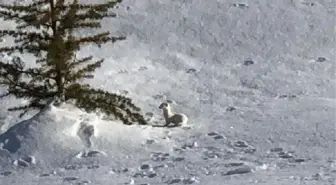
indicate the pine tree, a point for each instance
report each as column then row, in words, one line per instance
column 47, row 30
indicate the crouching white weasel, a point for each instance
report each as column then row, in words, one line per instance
column 171, row 117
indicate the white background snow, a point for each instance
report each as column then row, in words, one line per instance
column 275, row 116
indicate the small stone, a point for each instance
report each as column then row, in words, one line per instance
column 127, row 8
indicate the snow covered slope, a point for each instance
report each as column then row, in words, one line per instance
column 256, row 79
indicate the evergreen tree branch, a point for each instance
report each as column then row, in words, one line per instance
column 100, row 38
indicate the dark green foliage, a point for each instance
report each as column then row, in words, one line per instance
column 46, row 29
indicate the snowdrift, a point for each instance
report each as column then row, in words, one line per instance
column 59, row 134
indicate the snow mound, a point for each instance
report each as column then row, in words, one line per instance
column 59, row 134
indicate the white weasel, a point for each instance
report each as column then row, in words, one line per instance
column 171, row 117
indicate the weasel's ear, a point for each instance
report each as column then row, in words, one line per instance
column 170, row 101
column 163, row 105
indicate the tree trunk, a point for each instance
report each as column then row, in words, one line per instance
column 59, row 76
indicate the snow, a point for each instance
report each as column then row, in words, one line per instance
column 269, row 121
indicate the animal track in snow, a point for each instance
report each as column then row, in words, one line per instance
column 189, row 146
column 158, row 97
column 6, row 173
column 241, row 170
column 288, row 96
column 241, row 144
column 178, row 159
column 145, row 167
column 190, row 180
column 215, row 135
column 150, row 141
column 289, row 155
column 159, row 156
column 123, row 71
column 191, row 70
column 69, row 179
column 230, row 109
column 142, row 68
column 124, row 92
column 248, row 62
column 94, row 166
column 241, row 5
column 321, row 59
column 25, row 162
column 73, row 167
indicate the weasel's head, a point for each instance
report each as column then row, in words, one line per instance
column 164, row 106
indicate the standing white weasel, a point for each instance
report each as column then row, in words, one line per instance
column 171, row 117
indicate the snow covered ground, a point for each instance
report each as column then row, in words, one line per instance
column 256, row 79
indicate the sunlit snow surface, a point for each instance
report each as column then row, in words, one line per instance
column 270, row 121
